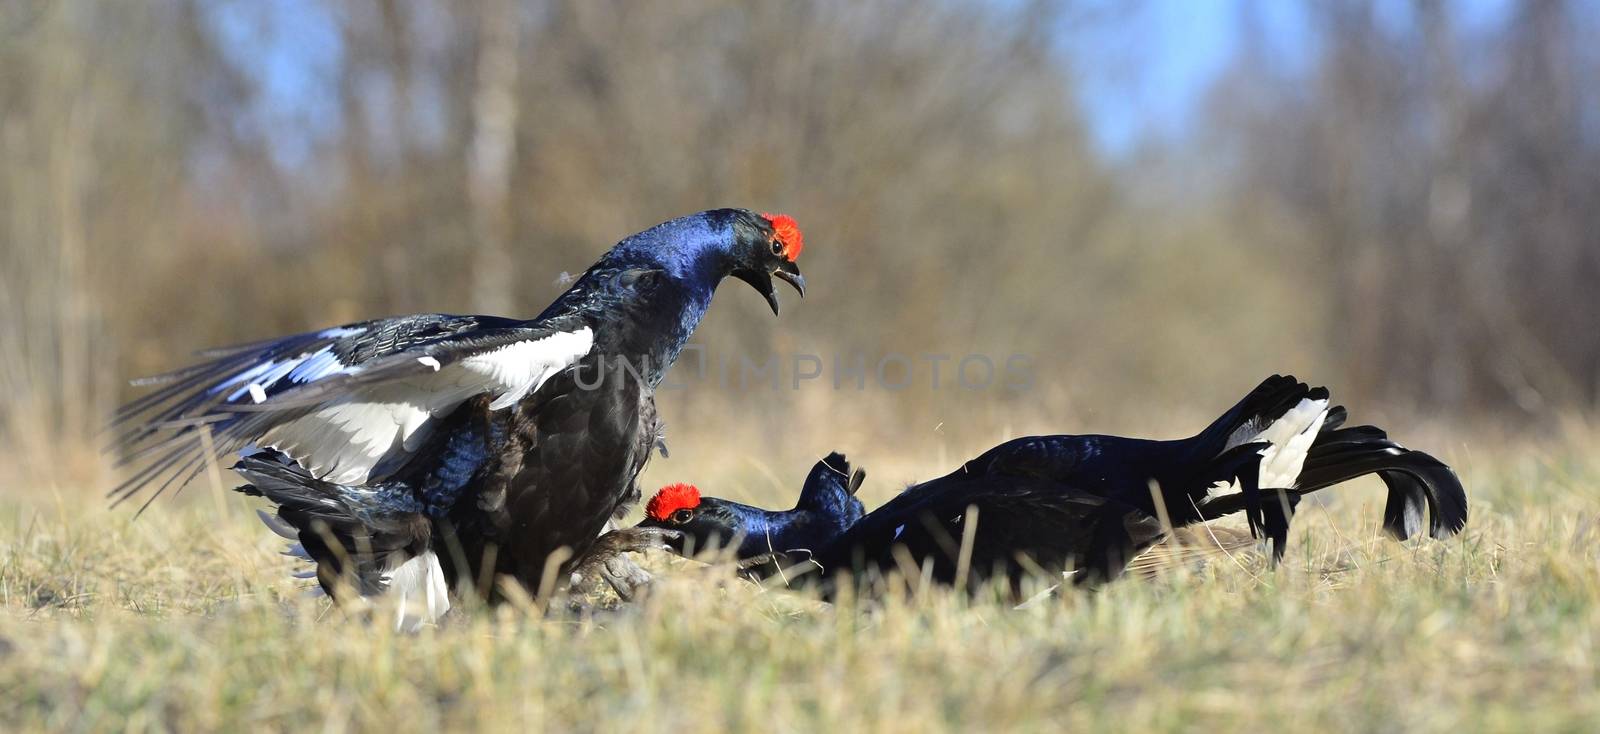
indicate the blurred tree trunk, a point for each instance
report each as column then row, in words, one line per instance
column 1447, row 177
column 494, row 119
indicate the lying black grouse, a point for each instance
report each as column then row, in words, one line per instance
column 1082, row 502
column 409, row 454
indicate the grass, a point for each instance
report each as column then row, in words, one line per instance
column 184, row 621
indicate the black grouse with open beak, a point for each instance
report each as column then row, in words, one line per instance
column 770, row 252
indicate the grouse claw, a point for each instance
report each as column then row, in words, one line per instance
column 625, row 577
column 606, row 560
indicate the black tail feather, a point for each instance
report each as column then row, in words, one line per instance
column 302, row 499
column 1414, row 479
column 345, row 542
column 1266, row 510
column 1276, row 512
column 1335, row 419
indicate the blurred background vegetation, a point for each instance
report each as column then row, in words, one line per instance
column 1159, row 203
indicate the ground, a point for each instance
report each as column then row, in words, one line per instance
column 181, row 621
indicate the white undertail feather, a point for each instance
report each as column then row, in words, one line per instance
column 416, row 586
column 418, row 591
column 1289, row 439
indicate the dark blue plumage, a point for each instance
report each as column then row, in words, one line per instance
column 1090, row 502
column 506, row 439
column 694, row 253
column 766, row 530
column 466, row 453
column 830, row 491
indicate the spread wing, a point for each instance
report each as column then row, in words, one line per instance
column 349, row 403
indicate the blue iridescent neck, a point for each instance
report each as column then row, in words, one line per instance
column 766, row 531
column 695, row 251
column 652, row 316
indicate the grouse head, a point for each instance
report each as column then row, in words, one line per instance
column 826, row 509
column 701, row 249
column 704, row 522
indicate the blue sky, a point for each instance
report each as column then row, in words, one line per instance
column 1146, row 67
column 1143, row 66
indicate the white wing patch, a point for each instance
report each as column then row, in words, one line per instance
column 520, row 368
column 343, row 441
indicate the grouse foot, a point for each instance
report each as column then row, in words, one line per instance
column 607, row 560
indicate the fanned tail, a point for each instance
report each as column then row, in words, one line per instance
column 1415, row 480
column 1260, row 445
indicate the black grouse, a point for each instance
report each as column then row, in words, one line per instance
column 420, row 454
column 1087, row 503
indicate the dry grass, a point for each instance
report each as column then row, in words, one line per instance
column 181, row 621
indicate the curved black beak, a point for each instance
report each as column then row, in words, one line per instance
column 762, row 282
column 790, row 273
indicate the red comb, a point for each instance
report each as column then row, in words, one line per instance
column 788, row 232
column 670, row 499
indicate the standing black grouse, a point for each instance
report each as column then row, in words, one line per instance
column 1087, row 503
column 416, row 453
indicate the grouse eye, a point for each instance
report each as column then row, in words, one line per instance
column 682, row 516
column 777, row 247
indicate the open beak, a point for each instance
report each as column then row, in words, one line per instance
column 762, row 282
column 790, row 273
